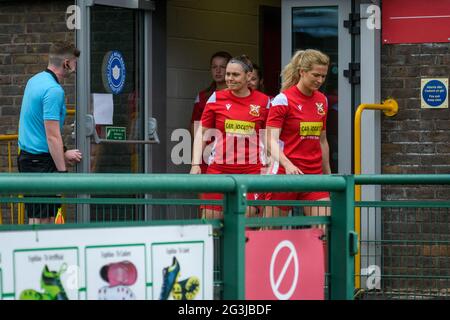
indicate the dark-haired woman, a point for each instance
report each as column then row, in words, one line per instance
column 235, row 118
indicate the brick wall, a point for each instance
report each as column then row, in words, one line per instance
column 27, row 29
column 415, row 140
column 423, row 262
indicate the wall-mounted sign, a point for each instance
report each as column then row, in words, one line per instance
column 415, row 21
column 116, row 133
column 434, row 93
column 113, row 72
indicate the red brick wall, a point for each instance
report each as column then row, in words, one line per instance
column 27, row 28
column 415, row 140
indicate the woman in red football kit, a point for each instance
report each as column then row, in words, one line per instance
column 296, row 125
column 218, row 63
column 234, row 117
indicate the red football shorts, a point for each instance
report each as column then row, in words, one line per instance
column 305, row 196
column 219, row 196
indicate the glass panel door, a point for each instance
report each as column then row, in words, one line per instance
column 115, row 35
column 115, row 71
column 319, row 25
column 111, row 73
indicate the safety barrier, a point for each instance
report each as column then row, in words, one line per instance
column 101, row 192
column 404, row 245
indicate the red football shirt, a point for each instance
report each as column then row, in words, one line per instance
column 199, row 105
column 237, row 122
column 301, row 119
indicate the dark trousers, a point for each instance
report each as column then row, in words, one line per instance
column 41, row 163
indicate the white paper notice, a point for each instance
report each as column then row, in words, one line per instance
column 103, row 108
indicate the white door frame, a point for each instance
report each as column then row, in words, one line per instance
column 371, row 222
column 83, row 84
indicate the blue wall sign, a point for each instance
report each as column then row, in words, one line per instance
column 434, row 93
column 114, row 72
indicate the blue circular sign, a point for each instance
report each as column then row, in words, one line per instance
column 114, row 71
column 434, row 93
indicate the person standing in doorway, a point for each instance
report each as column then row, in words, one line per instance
column 42, row 115
column 218, row 65
column 296, row 127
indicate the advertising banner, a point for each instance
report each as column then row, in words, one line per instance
column 115, row 263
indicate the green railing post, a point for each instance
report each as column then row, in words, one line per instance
column 234, row 244
column 342, row 235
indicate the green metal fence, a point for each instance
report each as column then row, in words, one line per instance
column 170, row 199
column 405, row 244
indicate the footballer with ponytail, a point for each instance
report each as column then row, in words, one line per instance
column 296, row 126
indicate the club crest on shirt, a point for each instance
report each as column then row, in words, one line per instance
column 254, row 110
column 320, row 109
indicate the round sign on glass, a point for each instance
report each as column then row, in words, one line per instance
column 113, row 72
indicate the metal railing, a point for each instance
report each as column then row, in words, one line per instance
column 405, row 250
column 404, row 244
column 105, row 188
